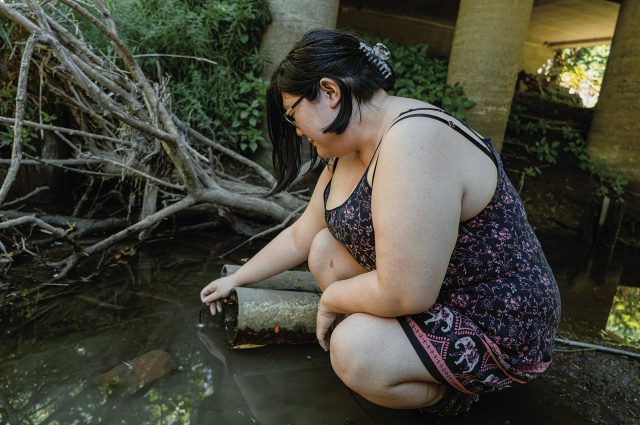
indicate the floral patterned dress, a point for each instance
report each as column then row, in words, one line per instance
column 495, row 318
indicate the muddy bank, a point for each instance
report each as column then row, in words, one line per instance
column 600, row 388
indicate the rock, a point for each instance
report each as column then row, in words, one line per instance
column 130, row 376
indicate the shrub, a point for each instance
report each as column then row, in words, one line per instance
column 225, row 99
column 419, row 76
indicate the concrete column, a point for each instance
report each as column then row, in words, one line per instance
column 291, row 19
column 616, row 121
column 485, row 57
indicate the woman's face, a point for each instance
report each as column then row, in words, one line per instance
column 311, row 116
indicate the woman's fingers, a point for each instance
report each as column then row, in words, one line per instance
column 321, row 336
column 207, row 290
column 215, row 294
column 214, row 302
column 210, row 298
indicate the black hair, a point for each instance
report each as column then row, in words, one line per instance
column 320, row 53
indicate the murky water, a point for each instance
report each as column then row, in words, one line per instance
column 600, row 291
column 126, row 349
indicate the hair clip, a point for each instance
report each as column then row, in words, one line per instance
column 378, row 55
column 382, row 51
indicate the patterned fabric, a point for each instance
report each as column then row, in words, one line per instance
column 498, row 309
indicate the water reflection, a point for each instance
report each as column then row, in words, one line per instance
column 624, row 318
column 58, row 385
column 276, row 385
column 599, row 288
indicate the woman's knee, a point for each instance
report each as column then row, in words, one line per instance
column 351, row 352
column 359, row 356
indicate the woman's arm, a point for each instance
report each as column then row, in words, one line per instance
column 416, row 208
column 287, row 250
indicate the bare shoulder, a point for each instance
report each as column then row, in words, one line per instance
column 420, row 145
column 433, row 154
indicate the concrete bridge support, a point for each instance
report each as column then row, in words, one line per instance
column 291, row 19
column 615, row 130
column 485, row 57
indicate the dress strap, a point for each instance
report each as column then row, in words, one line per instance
column 374, row 153
column 396, row 119
column 446, row 113
column 484, row 148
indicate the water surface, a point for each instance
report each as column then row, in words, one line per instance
column 75, row 359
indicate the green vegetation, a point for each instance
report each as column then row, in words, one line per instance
column 419, row 76
column 224, row 99
column 35, row 110
column 624, row 318
column 546, row 152
column 575, row 75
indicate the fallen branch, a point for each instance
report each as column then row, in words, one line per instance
column 124, row 135
column 16, row 153
column 79, row 226
column 598, row 347
column 27, row 196
column 280, row 226
column 47, row 227
column 70, row 131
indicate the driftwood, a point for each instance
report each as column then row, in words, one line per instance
column 121, row 129
column 278, row 310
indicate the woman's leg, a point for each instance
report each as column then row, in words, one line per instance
column 372, row 355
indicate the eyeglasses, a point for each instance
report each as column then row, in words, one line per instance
column 288, row 118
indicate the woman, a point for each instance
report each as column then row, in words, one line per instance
column 413, row 232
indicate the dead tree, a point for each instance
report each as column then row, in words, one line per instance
column 124, row 129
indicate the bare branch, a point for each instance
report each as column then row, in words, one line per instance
column 79, row 226
column 25, row 197
column 54, row 230
column 149, row 221
column 72, row 132
column 161, row 55
column 74, row 161
column 280, row 226
column 16, row 153
column 230, row 153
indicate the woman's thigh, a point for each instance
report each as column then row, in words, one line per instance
column 329, row 261
column 374, row 352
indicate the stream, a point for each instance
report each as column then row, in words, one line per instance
column 127, row 349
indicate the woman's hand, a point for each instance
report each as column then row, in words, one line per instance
column 324, row 325
column 215, row 293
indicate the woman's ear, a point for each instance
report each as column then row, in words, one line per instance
column 330, row 89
